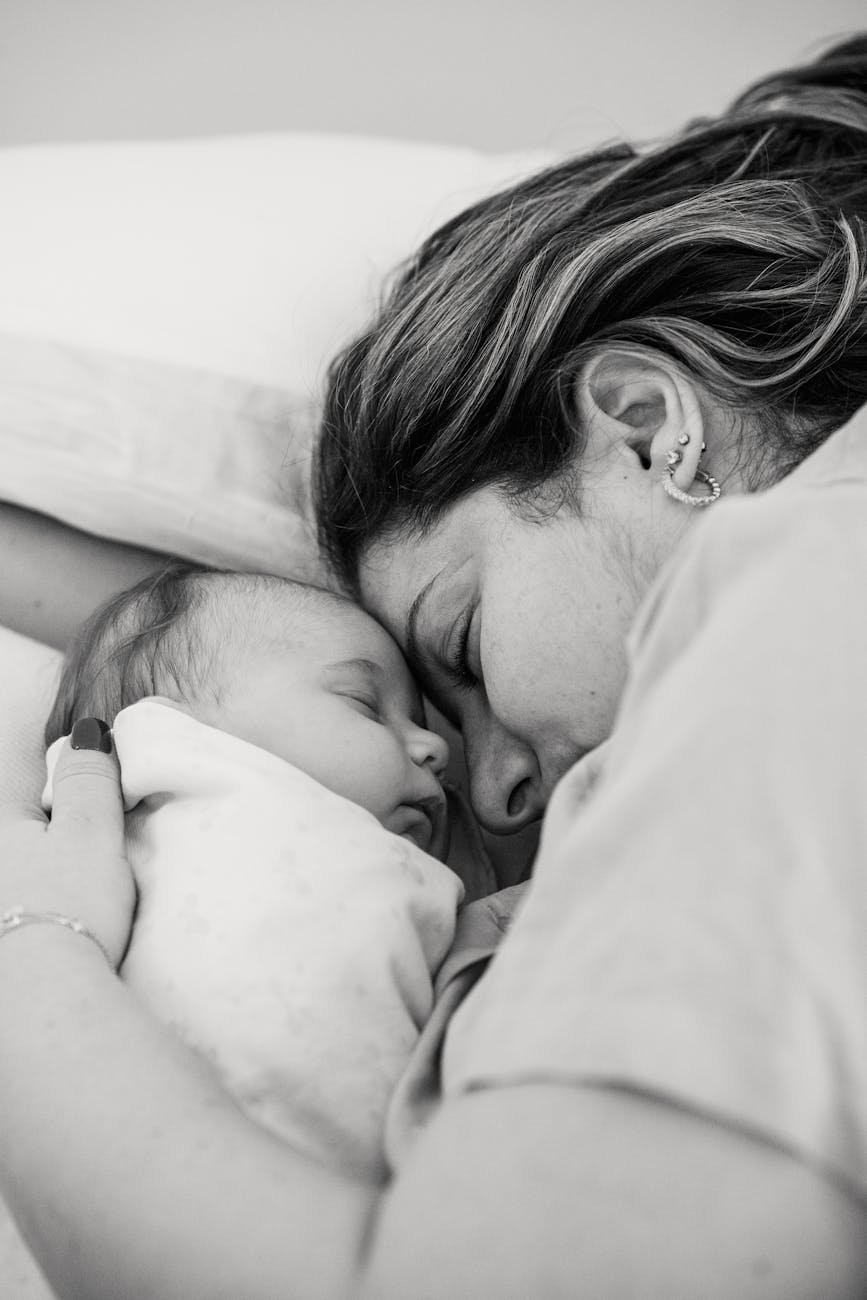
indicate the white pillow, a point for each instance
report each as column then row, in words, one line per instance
column 186, row 461
column 167, row 312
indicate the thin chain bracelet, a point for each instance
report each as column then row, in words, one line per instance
column 17, row 917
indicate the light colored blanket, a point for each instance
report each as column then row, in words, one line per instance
column 281, row 931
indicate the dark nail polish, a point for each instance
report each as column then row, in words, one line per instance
column 91, row 733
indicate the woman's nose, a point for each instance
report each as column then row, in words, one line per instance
column 505, row 785
column 427, row 748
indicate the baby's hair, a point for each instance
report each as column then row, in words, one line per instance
column 152, row 639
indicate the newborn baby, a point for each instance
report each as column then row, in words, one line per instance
column 284, row 809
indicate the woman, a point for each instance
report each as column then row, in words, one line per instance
column 658, row 1087
column 506, row 341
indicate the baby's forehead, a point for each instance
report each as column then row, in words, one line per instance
column 334, row 641
column 310, row 622
column 269, row 600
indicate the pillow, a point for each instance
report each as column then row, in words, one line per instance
column 160, row 456
column 167, row 314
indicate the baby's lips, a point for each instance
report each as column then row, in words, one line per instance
column 436, row 811
column 425, row 823
column 414, row 824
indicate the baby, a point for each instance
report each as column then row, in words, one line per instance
column 286, row 814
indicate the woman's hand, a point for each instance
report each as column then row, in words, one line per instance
column 75, row 864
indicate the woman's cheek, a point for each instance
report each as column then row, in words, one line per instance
column 514, row 687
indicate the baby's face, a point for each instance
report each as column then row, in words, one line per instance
column 344, row 708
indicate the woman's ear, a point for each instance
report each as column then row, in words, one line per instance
column 641, row 401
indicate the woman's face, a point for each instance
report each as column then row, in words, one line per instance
column 516, row 629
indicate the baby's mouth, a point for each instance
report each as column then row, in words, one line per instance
column 425, row 825
column 419, row 833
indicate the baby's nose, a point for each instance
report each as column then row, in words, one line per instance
column 426, row 748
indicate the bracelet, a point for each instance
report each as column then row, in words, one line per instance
column 17, row 917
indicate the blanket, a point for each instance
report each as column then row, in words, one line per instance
column 281, row 931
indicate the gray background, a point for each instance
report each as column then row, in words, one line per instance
column 497, row 74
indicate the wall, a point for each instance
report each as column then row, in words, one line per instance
column 493, row 73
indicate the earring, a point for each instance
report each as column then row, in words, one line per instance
column 673, row 459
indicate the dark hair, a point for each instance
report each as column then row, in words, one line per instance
column 151, row 639
column 737, row 249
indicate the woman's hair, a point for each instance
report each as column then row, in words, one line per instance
column 737, row 250
column 177, row 633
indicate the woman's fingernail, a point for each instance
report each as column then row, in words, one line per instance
column 91, row 733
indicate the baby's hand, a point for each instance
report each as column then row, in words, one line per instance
column 74, row 865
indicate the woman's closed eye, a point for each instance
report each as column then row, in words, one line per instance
column 462, row 651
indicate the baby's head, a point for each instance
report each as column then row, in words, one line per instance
column 299, row 671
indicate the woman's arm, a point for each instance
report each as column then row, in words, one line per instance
column 53, row 576
column 133, row 1174
column 129, row 1168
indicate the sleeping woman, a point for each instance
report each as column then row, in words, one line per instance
column 599, row 466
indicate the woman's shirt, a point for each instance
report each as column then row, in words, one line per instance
column 696, row 927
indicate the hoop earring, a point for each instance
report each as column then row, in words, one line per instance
column 674, row 458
